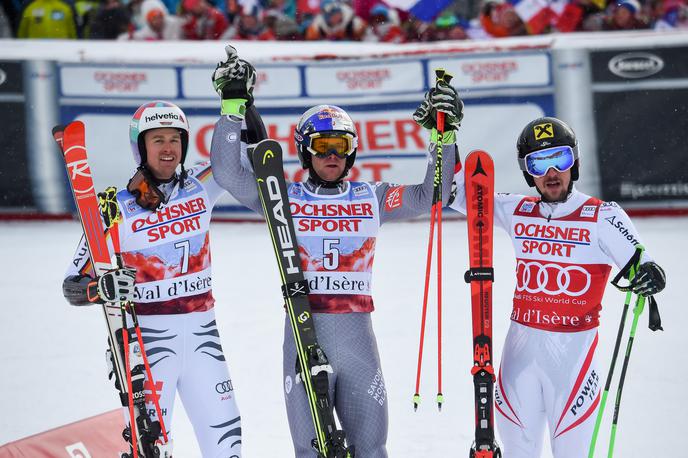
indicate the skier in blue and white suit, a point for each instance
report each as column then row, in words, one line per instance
column 336, row 222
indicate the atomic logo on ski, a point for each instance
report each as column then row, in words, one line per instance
column 479, row 169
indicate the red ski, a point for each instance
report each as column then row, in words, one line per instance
column 479, row 175
column 125, row 350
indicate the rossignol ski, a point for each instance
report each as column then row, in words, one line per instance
column 479, row 174
column 125, row 347
column 312, row 365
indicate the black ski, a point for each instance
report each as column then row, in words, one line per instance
column 330, row 442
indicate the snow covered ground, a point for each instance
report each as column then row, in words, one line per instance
column 53, row 368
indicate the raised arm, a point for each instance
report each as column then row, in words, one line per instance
column 404, row 202
column 234, row 80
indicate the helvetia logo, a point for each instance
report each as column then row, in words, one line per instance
column 163, row 117
column 634, row 65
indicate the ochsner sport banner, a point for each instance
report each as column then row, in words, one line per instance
column 501, row 91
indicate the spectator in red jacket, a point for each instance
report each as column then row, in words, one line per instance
column 501, row 20
column 204, row 22
column 384, row 25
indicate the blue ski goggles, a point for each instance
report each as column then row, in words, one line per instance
column 324, row 144
column 537, row 163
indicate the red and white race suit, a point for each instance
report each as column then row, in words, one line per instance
column 170, row 250
column 564, row 252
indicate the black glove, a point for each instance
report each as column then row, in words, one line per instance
column 116, row 285
column 234, row 80
column 442, row 98
column 649, row 280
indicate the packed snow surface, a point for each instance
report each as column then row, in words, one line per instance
column 53, row 365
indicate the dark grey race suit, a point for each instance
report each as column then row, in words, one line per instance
column 343, row 323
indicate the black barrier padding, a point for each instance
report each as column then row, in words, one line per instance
column 642, row 139
column 11, row 77
column 15, row 185
column 639, row 64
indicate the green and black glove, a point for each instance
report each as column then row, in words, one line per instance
column 234, row 81
column 649, row 280
column 444, row 98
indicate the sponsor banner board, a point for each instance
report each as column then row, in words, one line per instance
column 392, row 147
column 363, row 79
column 271, row 82
column 639, row 64
column 89, row 438
column 118, row 81
column 492, row 71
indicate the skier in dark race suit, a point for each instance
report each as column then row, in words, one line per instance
column 336, row 223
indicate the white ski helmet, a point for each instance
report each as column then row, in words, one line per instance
column 155, row 115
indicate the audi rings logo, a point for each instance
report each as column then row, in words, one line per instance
column 552, row 279
column 224, row 387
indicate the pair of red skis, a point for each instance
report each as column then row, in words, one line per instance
column 479, row 189
column 126, row 350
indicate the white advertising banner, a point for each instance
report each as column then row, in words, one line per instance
column 275, row 82
column 392, row 146
column 496, row 71
column 118, row 81
column 358, row 79
column 380, row 96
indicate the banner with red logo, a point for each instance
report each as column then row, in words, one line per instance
column 96, row 81
column 93, row 437
column 379, row 94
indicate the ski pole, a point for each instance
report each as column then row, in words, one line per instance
column 441, row 75
column 428, row 265
column 435, row 216
column 637, row 311
column 632, row 268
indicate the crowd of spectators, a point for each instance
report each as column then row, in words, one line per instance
column 353, row 20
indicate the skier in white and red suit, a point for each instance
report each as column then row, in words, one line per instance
column 336, row 224
column 165, row 243
column 565, row 242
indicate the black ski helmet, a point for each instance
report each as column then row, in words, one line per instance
column 544, row 133
column 324, row 119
